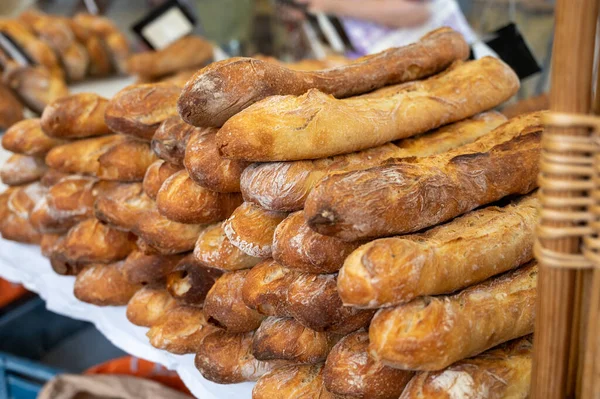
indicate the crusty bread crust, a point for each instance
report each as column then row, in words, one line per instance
column 104, row 285
column 76, row 116
column 148, row 305
column 294, row 382
column 155, row 176
column 26, row 137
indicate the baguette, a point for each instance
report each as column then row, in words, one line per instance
column 123, row 207
column 186, row 52
column 138, row 110
column 51, row 177
column 213, row 249
column 91, row 241
column 225, row 88
column 15, row 228
column 100, row 64
column 76, row 116
column 155, row 176
column 22, row 169
column 288, row 128
column 298, row 247
column 15, row 208
column 11, row 109
column 350, row 371
column 140, row 268
column 171, row 137
column 502, row 372
column 409, row 195
column 225, row 307
column 286, row 339
column 148, row 305
column 463, row 252
column 126, row 161
column 27, row 138
column 251, row 229
column 48, row 221
column 295, row 180
column 104, row 285
column 180, row 330
column 313, row 300
column 72, row 198
column 189, row 281
column 22, row 200
column 294, row 382
column 266, row 287
column 4, row 196
column 431, row 333
column 181, row 200
column 207, row 168
column 81, row 156
column 226, row 358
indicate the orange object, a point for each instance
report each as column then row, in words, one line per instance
column 10, row 292
column 129, row 365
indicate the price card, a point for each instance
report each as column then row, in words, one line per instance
column 165, row 24
column 13, row 50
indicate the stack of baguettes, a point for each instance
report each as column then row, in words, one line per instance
column 337, row 282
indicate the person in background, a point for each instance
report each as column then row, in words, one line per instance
column 375, row 25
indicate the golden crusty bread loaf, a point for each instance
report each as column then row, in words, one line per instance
column 502, row 372
column 465, row 251
column 226, row 358
column 76, row 116
column 251, row 229
column 27, row 138
column 138, row 110
column 16, row 228
column 47, row 221
column 430, row 333
column 126, row 161
column 225, row 307
column 408, row 195
column 81, row 156
column 23, row 200
column 181, row 200
column 22, row 169
column 189, row 281
column 148, row 305
column 316, row 125
column 214, row 250
column 225, row 88
column 266, row 287
column 350, row 371
column 207, row 168
column 73, row 196
column 298, row 247
column 180, row 330
column 171, row 138
column 11, row 109
column 155, row 176
column 295, row 180
column 104, row 285
column 294, row 382
column 123, row 206
column 16, row 205
column 286, row 339
column 187, row 52
column 140, row 268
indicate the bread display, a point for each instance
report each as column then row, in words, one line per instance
column 207, row 168
column 180, row 330
column 11, row 109
column 251, row 229
column 294, row 382
column 296, row 179
column 463, row 252
column 225, row 308
column 352, row 372
column 430, row 333
column 181, row 200
column 408, row 195
column 104, row 285
column 502, row 372
column 155, row 176
column 26, row 137
column 224, row 88
column 22, row 169
column 171, row 138
column 148, row 305
column 298, row 247
column 76, row 116
column 288, row 128
column 126, row 161
column 189, row 281
column 266, row 288
column 138, row 110
column 286, row 339
column 226, row 358
column 187, row 52
column 140, row 268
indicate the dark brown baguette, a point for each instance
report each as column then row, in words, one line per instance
column 224, row 88
column 171, row 138
column 408, row 195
